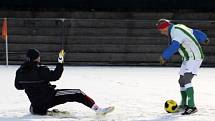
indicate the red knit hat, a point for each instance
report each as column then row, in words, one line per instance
column 162, row 24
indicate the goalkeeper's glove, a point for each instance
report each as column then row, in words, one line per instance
column 162, row 60
column 206, row 42
column 61, row 56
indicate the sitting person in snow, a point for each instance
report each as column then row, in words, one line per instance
column 35, row 79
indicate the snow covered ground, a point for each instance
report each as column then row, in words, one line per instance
column 138, row 94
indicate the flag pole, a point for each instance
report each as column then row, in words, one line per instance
column 6, row 46
column 5, row 37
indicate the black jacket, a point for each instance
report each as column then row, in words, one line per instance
column 35, row 80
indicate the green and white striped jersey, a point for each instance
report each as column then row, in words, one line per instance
column 190, row 48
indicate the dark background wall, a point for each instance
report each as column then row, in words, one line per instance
column 126, row 5
column 101, row 32
column 99, row 38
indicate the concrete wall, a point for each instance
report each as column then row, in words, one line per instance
column 98, row 38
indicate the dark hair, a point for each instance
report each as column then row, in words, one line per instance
column 32, row 54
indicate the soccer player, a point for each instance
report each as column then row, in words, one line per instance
column 187, row 42
column 35, row 79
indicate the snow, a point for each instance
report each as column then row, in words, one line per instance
column 138, row 94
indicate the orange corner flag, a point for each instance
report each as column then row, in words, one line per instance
column 4, row 29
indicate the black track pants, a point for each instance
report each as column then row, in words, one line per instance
column 62, row 96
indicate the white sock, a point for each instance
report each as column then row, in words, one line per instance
column 95, row 107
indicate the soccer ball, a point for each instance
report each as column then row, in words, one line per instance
column 170, row 106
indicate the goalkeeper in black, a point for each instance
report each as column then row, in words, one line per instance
column 35, row 78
